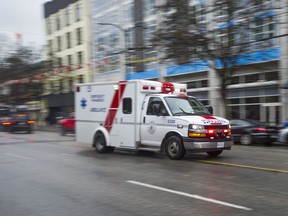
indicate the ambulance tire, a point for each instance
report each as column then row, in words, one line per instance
column 100, row 143
column 109, row 149
column 214, row 153
column 174, row 148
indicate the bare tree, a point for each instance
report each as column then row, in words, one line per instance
column 221, row 32
column 22, row 65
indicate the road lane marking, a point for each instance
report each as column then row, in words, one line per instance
column 242, row 166
column 19, row 156
column 190, row 195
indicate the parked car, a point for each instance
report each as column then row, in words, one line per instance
column 283, row 135
column 249, row 131
column 67, row 125
column 19, row 122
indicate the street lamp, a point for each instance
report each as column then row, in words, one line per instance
column 122, row 44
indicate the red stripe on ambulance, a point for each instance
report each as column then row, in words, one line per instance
column 114, row 105
column 208, row 117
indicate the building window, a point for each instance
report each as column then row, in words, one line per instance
column 235, row 112
column 197, row 84
column 67, row 17
column 113, row 40
column 234, row 101
column 191, row 85
column 52, row 87
column 251, row 78
column 235, row 80
column 59, row 62
column 149, row 29
column 252, row 112
column 61, row 86
column 80, row 59
column 48, row 26
column 58, row 26
column 271, row 76
column 68, row 39
column 272, row 99
column 198, row 13
column 264, row 28
column 59, row 43
column 69, row 60
column 71, row 85
column 78, row 13
column 80, row 79
column 50, row 46
column 252, row 100
column 149, row 7
column 204, row 83
column 79, row 36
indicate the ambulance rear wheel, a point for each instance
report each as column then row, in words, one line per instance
column 174, row 148
column 100, row 143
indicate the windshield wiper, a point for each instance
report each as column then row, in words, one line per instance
column 183, row 112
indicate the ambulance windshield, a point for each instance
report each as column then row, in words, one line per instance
column 180, row 106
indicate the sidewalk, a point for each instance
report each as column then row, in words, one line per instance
column 49, row 128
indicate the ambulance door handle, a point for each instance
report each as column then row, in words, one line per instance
column 144, row 120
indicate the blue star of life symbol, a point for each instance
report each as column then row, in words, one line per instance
column 83, row 103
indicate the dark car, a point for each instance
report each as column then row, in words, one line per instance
column 249, row 131
column 4, row 123
column 20, row 122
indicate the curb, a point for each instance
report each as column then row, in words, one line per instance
column 47, row 128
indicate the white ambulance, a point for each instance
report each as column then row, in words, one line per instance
column 147, row 115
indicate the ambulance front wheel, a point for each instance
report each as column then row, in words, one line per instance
column 100, row 144
column 214, row 153
column 174, row 148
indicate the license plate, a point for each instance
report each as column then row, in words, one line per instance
column 220, row 144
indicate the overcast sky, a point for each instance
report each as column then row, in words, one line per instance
column 24, row 17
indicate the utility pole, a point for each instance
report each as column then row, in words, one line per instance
column 284, row 60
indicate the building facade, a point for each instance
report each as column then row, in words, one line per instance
column 256, row 90
column 121, row 32
column 69, row 53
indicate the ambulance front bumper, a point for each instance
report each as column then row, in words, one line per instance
column 202, row 145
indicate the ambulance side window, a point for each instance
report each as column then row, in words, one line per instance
column 127, row 105
column 156, row 105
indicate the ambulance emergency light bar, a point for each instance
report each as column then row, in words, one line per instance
column 163, row 87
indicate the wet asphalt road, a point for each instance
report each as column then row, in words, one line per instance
column 44, row 174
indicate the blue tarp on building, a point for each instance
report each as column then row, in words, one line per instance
column 259, row 56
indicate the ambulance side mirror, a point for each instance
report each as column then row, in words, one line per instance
column 210, row 109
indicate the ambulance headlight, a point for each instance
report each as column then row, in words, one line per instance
column 196, row 127
column 195, row 130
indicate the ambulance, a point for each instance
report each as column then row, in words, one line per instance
column 147, row 115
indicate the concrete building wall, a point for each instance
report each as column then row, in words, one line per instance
column 284, row 61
